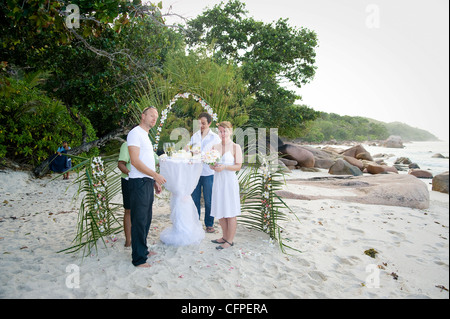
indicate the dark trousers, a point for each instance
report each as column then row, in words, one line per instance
column 141, row 202
column 205, row 182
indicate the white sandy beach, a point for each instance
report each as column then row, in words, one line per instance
column 37, row 219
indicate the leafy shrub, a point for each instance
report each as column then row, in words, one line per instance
column 33, row 126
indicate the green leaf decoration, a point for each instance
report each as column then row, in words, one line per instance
column 98, row 217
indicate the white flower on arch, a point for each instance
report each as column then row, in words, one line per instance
column 165, row 112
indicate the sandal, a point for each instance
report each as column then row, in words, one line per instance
column 210, row 230
column 226, row 241
column 216, row 241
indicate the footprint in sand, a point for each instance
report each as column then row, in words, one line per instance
column 396, row 233
column 317, row 275
column 359, row 231
column 441, row 263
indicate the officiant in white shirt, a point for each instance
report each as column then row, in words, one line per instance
column 205, row 139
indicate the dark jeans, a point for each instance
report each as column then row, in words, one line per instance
column 207, row 183
column 125, row 193
column 141, row 202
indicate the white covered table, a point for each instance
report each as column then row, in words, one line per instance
column 182, row 176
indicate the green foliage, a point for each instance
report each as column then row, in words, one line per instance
column 293, row 121
column 99, row 87
column 33, row 126
column 371, row 252
column 262, row 208
column 409, row 133
column 313, row 133
column 29, row 22
column 97, row 216
column 269, row 54
column 94, row 68
column 25, row 22
column 220, row 85
column 343, row 128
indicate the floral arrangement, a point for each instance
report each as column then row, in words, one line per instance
column 262, row 208
column 266, row 204
column 211, row 157
column 99, row 185
column 182, row 154
column 168, row 108
column 97, row 218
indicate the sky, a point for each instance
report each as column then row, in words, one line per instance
column 383, row 59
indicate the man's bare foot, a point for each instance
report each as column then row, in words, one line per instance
column 144, row 265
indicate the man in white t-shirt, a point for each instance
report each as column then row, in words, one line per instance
column 206, row 139
column 143, row 181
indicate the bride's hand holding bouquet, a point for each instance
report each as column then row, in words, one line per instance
column 211, row 158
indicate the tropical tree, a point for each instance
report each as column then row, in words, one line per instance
column 33, row 125
column 220, row 85
column 94, row 68
column 271, row 55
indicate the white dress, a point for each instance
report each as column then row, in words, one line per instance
column 225, row 201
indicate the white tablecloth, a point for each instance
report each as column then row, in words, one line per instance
column 182, row 177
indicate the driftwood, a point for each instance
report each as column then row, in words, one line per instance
column 43, row 168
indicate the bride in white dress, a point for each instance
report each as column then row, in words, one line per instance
column 225, row 201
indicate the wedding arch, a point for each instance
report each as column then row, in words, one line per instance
column 99, row 183
column 168, row 108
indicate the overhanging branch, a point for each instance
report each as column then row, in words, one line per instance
column 43, row 168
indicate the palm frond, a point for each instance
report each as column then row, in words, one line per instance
column 262, row 208
column 97, row 216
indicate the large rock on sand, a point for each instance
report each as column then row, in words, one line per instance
column 303, row 157
column 420, row 173
column 358, row 152
column 323, row 158
column 383, row 189
column 374, row 168
column 341, row 167
column 440, row 183
column 355, row 162
column 288, row 162
column 393, row 142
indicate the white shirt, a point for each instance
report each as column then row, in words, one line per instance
column 139, row 137
column 205, row 144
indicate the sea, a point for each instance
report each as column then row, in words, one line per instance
column 420, row 153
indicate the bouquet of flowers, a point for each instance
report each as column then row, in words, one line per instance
column 211, row 157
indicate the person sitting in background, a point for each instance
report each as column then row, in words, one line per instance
column 63, row 149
